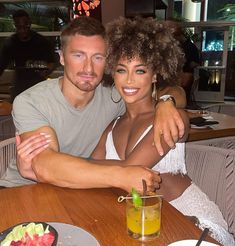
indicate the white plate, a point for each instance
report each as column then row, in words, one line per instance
column 191, row 243
column 70, row 235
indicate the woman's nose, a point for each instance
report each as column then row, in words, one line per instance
column 130, row 79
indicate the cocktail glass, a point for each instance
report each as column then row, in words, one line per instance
column 144, row 222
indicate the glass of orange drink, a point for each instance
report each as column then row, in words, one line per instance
column 144, row 220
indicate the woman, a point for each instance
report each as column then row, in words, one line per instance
column 139, row 52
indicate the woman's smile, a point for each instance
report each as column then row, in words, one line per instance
column 130, row 91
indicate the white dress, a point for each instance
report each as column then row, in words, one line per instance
column 193, row 202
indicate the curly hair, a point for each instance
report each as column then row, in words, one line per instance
column 148, row 40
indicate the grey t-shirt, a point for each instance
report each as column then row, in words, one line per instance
column 78, row 130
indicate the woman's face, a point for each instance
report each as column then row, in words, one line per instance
column 133, row 79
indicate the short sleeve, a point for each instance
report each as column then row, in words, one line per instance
column 26, row 114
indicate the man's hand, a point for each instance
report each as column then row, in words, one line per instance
column 27, row 150
column 167, row 124
column 132, row 176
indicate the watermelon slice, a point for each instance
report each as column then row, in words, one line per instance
column 31, row 234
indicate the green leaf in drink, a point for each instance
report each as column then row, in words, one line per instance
column 137, row 201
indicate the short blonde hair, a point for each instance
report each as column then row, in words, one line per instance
column 83, row 25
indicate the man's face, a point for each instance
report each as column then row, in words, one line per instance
column 22, row 25
column 83, row 58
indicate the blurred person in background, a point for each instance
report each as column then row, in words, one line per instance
column 192, row 58
column 30, row 54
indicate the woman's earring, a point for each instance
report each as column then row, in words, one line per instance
column 112, row 97
column 154, row 89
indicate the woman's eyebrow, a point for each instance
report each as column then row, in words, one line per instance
column 140, row 65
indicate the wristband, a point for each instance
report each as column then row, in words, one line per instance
column 165, row 98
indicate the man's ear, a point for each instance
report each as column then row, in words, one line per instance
column 61, row 58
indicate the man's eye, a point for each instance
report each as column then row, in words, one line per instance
column 99, row 58
column 78, row 55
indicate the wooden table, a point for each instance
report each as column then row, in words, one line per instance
column 95, row 210
column 225, row 128
column 5, row 108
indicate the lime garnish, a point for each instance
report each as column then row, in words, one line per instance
column 137, row 201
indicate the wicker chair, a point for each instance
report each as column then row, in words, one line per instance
column 7, row 154
column 224, row 142
column 7, row 128
column 213, row 170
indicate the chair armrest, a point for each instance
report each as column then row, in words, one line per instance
column 213, row 170
column 224, row 142
column 7, row 154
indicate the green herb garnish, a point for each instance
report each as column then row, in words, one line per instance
column 137, row 201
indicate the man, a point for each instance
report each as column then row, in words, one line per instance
column 192, row 58
column 74, row 110
column 30, row 54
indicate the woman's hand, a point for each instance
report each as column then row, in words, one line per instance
column 27, row 150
